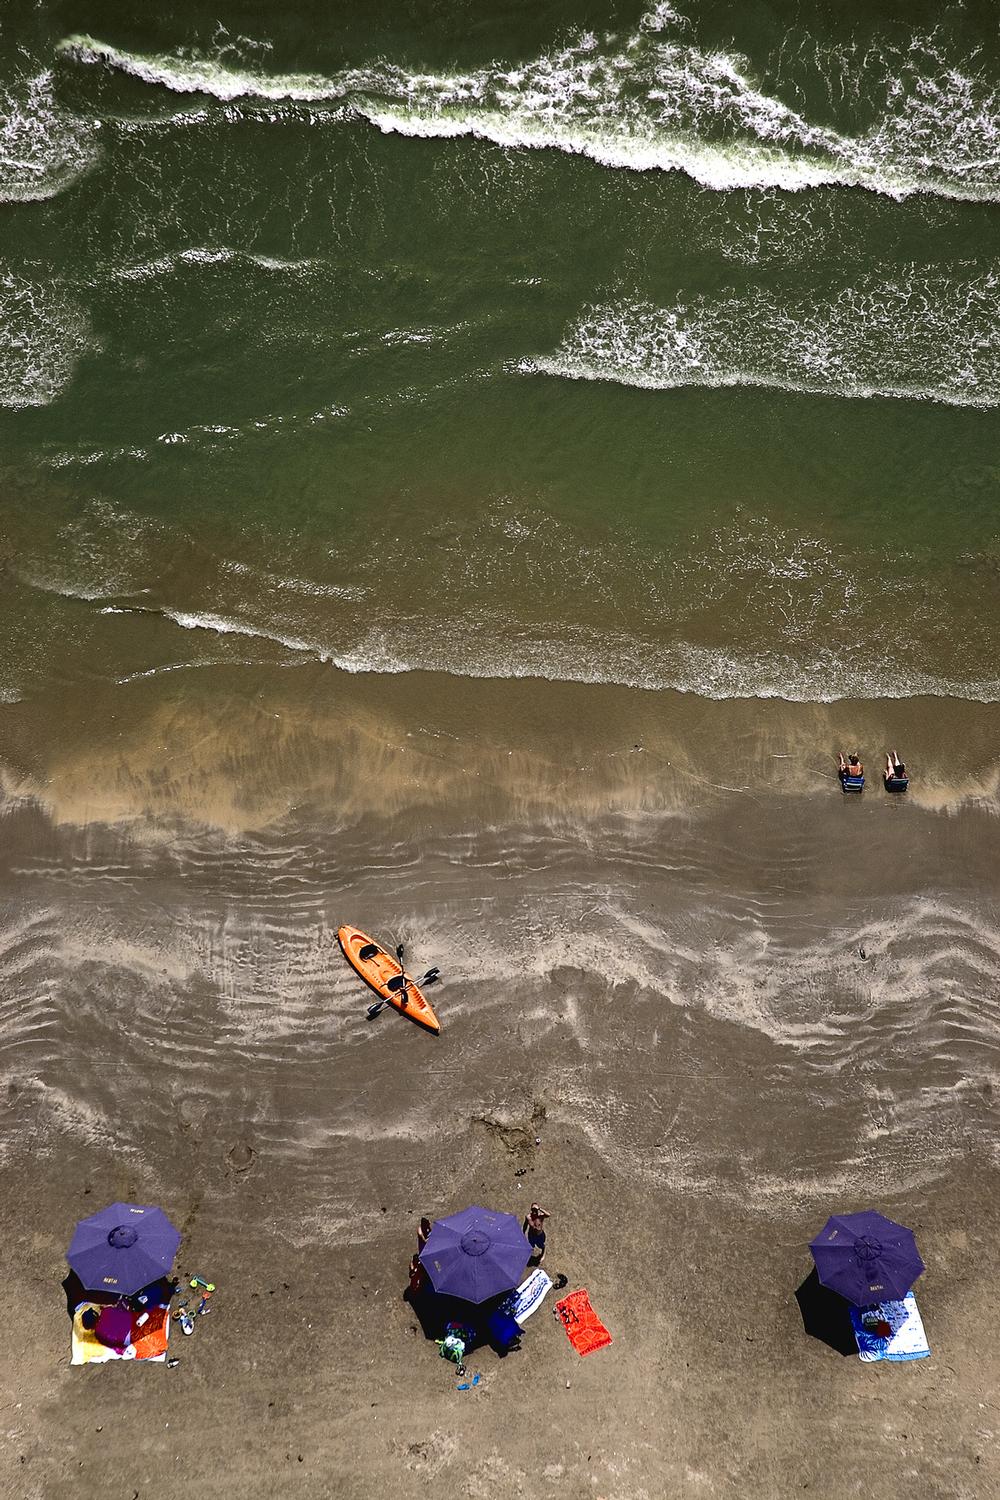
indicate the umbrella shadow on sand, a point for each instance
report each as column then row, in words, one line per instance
column 434, row 1311
column 826, row 1316
column 76, row 1293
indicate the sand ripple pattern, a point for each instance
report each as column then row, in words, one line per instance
column 662, row 982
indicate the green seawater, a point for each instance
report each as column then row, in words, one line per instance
column 624, row 343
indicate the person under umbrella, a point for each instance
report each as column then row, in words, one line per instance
column 866, row 1257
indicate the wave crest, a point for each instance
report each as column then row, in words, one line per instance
column 652, row 100
column 931, row 336
column 481, row 649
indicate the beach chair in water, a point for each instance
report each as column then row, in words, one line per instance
column 851, row 773
column 895, row 778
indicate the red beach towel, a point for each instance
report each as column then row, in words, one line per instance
column 150, row 1340
column 584, row 1328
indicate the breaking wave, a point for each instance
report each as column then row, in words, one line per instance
column 652, row 100
column 208, row 255
column 42, row 148
column 925, row 335
column 43, row 333
column 479, row 649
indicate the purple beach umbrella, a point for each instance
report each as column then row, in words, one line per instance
column 866, row 1258
column 123, row 1248
column 476, row 1254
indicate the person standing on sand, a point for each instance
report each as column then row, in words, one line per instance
column 533, row 1227
column 418, row 1279
column 423, row 1234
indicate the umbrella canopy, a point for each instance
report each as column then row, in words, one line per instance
column 123, row 1248
column 866, row 1258
column 476, row 1254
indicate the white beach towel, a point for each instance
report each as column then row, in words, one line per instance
column 530, row 1295
column 908, row 1340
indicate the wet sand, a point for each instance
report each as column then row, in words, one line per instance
column 650, row 912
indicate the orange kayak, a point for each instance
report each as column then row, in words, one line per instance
column 383, row 971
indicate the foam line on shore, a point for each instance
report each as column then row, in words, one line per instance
column 462, row 651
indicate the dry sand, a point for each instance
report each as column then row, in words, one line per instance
column 650, row 912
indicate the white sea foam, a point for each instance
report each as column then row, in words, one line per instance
column 43, row 333
column 205, row 255
column 306, row 586
column 650, row 100
column 928, row 335
column 42, row 147
column 178, row 666
column 479, row 649
column 373, row 659
column 221, row 625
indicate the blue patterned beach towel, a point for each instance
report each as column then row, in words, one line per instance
column 907, row 1341
column 529, row 1295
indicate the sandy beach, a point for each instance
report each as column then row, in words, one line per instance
column 726, row 1001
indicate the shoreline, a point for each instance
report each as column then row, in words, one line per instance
column 242, row 746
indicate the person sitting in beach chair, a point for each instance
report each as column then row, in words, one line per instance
column 852, row 772
column 896, row 779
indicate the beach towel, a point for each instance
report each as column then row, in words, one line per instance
column 147, row 1342
column 584, row 1328
column 530, row 1295
column 907, row 1340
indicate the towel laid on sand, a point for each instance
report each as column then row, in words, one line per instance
column 147, row 1342
column 530, row 1295
column 907, row 1341
column 584, row 1328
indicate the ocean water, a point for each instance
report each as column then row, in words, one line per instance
column 651, row 344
